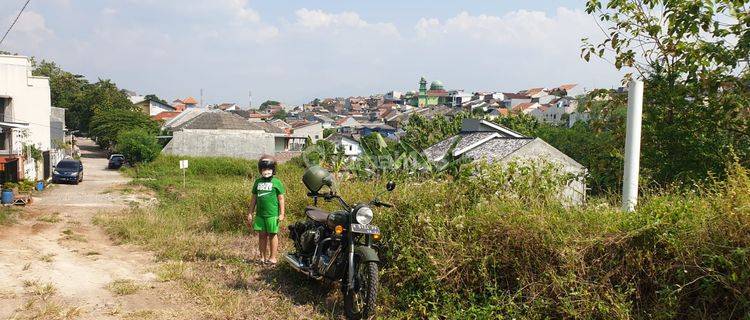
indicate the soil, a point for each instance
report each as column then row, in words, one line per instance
column 55, row 242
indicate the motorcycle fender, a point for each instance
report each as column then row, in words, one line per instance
column 367, row 254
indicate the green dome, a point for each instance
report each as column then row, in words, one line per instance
column 436, row 85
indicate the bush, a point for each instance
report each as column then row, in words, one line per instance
column 457, row 250
column 138, row 145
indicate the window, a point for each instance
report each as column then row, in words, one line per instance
column 316, row 137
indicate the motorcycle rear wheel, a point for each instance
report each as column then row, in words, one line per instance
column 359, row 302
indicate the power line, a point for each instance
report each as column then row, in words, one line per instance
column 14, row 21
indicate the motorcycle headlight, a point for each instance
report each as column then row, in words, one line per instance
column 364, row 215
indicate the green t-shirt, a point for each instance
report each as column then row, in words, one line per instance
column 267, row 191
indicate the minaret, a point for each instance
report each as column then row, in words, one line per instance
column 422, row 99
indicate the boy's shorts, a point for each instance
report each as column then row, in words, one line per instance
column 266, row 224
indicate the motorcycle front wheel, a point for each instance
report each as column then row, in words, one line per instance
column 359, row 302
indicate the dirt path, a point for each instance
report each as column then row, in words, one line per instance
column 55, row 263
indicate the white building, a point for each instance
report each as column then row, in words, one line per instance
column 25, row 110
column 459, row 97
column 150, row 107
column 347, row 143
column 313, row 130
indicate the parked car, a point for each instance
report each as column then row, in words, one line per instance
column 116, row 161
column 68, row 170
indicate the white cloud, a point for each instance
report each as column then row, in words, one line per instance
column 243, row 12
column 30, row 30
column 519, row 28
column 313, row 20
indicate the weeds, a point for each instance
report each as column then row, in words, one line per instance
column 123, row 287
column 487, row 245
column 50, row 218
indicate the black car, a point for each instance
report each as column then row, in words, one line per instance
column 68, row 170
column 116, row 161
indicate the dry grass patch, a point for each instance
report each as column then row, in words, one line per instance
column 140, row 315
column 70, row 235
column 173, row 270
column 47, row 257
column 123, row 287
column 50, row 218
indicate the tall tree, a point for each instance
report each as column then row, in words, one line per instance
column 693, row 56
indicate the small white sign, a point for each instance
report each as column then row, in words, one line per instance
column 183, row 164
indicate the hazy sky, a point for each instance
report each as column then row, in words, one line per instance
column 294, row 51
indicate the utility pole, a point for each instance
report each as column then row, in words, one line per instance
column 632, row 146
column 201, row 98
column 250, row 101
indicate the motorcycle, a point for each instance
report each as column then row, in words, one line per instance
column 339, row 246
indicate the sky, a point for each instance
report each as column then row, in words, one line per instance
column 295, row 51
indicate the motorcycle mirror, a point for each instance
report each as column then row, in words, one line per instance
column 390, row 186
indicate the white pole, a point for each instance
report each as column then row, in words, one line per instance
column 632, row 146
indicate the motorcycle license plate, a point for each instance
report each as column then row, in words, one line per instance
column 365, row 228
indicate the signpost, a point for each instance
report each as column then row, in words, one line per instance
column 183, row 166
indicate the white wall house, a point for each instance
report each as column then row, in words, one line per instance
column 313, row 130
column 348, row 144
column 25, row 108
column 149, row 106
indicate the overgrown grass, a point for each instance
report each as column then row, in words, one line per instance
column 457, row 249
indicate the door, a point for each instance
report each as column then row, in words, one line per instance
column 47, row 165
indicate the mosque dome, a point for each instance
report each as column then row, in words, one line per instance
column 436, row 85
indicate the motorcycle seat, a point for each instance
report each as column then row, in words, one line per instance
column 317, row 214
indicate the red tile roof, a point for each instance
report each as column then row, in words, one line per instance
column 259, row 116
column 179, row 107
column 522, row 106
column 189, row 100
column 165, row 115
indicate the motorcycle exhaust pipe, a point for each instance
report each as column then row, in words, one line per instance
column 294, row 263
column 298, row 266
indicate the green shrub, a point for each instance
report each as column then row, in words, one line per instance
column 453, row 249
column 138, row 145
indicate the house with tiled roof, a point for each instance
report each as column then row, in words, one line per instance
column 481, row 140
column 525, row 107
column 346, row 143
column 221, row 133
column 511, row 100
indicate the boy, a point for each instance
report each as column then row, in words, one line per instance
column 268, row 197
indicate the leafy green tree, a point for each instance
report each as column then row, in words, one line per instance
column 106, row 124
column 268, row 103
column 66, row 89
column 328, row 131
column 693, row 57
column 421, row 132
column 282, row 114
column 153, row 97
column 138, row 145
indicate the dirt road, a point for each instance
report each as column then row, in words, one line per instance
column 55, row 263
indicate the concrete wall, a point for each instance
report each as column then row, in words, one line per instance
column 575, row 191
column 247, row 144
column 30, row 99
column 57, row 126
column 314, row 131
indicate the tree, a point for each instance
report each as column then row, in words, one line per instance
column 153, row 97
column 138, row 145
column 693, row 57
column 280, row 115
column 268, row 103
column 106, row 124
